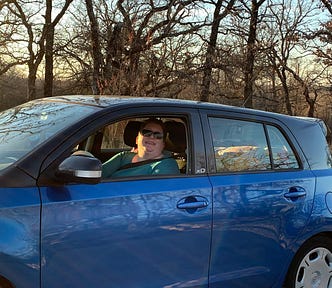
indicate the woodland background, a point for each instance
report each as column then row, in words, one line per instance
column 272, row 55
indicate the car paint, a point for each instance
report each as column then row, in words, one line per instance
column 255, row 223
column 134, row 232
column 20, row 235
column 126, row 235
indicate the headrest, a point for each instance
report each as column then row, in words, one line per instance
column 130, row 133
column 176, row 140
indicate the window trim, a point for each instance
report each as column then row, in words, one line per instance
column 206, row 114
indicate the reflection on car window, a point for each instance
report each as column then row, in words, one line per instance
column 283, row 155
column 242, row 146
column 24, row 127
column 239, row 145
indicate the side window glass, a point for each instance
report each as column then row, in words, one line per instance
column 239, row 145
column 282, row 153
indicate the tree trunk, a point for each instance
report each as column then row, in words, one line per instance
column 210, row 53
column 283, row 79
column 249, row 77
column 49, row 39
column 208, row 65
column 31, row 93
column 96, row 52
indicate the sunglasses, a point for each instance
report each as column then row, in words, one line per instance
column 149, row 133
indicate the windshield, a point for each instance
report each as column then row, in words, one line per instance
column 25, row 127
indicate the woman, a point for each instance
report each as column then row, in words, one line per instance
column 147, row 159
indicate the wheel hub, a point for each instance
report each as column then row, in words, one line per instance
column 315, row 270
column 315, row 279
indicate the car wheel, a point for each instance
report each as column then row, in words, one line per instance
column 312, row 265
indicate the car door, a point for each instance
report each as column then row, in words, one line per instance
column 130, row 232
column 19, row 241
column 259, row 207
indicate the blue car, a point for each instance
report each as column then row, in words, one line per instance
column 250, row 206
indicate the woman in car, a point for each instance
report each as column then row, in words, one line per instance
column 149, row 157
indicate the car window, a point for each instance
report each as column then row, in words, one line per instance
column 239, row 145
column 121, row 136
column 25, row 127
column 282, row 153
column 242, row 146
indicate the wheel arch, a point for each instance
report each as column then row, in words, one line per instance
column 299, row 250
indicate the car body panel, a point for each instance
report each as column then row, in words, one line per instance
column 19, row 240
column 321, row 217
column 129, row 234
column 255, row 224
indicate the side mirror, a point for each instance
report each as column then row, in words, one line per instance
column 80, row 169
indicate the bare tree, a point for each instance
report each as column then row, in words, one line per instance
column 9, row 32
column 125, row 44
column 96, row 48
column 249, row 76
column 37, row 34
column 48, row 31
column 218, row 15
column 290, row 17
column 322, row 35
column 34, row 56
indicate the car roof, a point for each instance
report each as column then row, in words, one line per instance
column 107, row 101
column 104, row 101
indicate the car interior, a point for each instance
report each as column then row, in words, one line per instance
column 121, row 136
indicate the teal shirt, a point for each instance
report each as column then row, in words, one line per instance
column 163, row 166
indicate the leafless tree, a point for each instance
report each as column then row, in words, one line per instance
column 48, row 31
column 127, row 42
column 221, row 9
column 96, row 47
column 37, row 39
column 251, row 51
column 9, row 31
column 291, row 18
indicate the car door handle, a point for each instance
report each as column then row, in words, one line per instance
column 192, row 202
column 192, row 205
column 295, row 192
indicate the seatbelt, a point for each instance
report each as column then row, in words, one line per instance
column 140, row 163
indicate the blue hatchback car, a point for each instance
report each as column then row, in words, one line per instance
column 251, row 206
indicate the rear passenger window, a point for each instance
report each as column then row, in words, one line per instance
column 282, row 154
column 242, row 146
column 239, row 145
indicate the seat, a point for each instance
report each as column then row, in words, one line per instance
column 130, row 133
column 176, row 142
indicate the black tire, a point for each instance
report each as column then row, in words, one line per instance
column 312, row 265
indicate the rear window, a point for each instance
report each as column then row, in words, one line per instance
column 249, row 146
